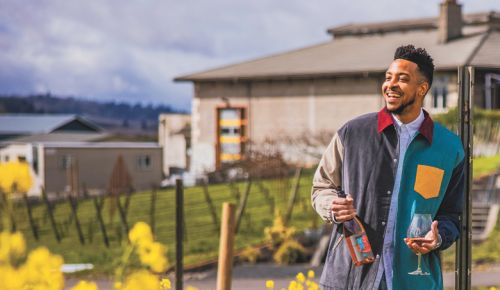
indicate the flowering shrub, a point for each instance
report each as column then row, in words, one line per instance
column 301, row 282
column 15, row 177
column 287, row 250
column 278, row 233
column 41, row 270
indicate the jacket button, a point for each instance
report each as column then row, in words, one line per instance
column 395, row 160
column 388, row 192
column 383, row 223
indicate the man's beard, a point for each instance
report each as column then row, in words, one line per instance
column 399, row 110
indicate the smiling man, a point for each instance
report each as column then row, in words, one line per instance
column 393, row 164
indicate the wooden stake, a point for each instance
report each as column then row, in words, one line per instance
column 226, row 245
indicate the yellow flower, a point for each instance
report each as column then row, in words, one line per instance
column 270, row 284
column 152, row 254
column 84, row 285
column 141, row 280
column 11, row 246
column 191, row 288
column 300, row 277
column 43, row 269
column 15, row 176
column 165, row 284
column 310, row 274
column 17, row 244
column 118, row 285
column 141, row 232
column 11, row 278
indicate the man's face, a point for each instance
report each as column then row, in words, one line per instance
column 404, row 87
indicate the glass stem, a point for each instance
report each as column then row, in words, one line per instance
column 419, row 259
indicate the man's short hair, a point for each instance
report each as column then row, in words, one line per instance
column 419, row 56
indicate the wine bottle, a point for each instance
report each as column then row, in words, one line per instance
column 356, row 239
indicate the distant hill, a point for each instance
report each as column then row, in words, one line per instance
column 122, row 118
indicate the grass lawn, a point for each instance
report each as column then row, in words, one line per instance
column 201, row 237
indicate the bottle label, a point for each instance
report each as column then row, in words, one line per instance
column 361, row 247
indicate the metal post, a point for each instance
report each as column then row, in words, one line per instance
column 463, row 246
column 179, row 229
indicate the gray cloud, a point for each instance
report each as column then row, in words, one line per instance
column 131, row 50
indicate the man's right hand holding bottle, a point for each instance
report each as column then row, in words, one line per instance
column 343, row 209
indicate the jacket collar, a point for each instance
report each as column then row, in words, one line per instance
column 426, row 129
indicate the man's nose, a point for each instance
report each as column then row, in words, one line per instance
column 392, row 83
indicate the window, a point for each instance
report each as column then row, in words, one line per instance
column 231, row 139
column 66, row 162
column 440, row 93
column 144, row 162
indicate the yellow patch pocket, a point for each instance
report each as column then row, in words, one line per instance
column 428, row 181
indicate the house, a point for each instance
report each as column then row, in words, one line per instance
column 318, row 88
column 47, row 126
column 64, row 167
column 66, row 157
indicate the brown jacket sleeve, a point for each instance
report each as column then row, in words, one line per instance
column 327, row 178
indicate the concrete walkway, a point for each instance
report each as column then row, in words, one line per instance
column 253, row 277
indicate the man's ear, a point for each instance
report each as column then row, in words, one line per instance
column 423, row 88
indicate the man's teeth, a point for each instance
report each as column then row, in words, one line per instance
column 393, row 95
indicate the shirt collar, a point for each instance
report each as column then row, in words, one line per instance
column 426, row 127
column 413, row 126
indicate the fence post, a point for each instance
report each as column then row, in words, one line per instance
column 293, row 195
column 269, row 199
column 51, row 216
column 98, row 207
column 30, row 217
column 74, row 207
column 152, row 209
column 242, row 205
column 211, row 207
column 123, row 213
column 179, row 230
column 226, row 245
column 464, row 244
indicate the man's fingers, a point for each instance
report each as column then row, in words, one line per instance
column 342, row 218
column 434, row 228
column 337, row 207
column 344, row 212
column 423, row 249
column 343, row 201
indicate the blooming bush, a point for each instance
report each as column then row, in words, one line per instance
column 41, row 270
column 286, row 249
column 301, row 282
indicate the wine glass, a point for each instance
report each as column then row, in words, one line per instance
column 419, row 227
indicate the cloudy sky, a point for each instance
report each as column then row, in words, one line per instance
column 130, row 50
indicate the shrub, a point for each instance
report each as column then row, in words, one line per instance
column 290, row 251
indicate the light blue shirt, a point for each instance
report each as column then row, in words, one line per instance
column 406, row 133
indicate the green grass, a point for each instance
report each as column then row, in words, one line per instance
column 201, row 239
column 484, row 165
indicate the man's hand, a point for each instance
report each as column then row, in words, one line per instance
column 343, row 209
column 429, row 245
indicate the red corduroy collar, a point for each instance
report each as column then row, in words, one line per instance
column 426, row 129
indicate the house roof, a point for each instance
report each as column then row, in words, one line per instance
column 472, row 19
column 58, row 137
column 39, row 123
column 369, row 52
column 109, row 145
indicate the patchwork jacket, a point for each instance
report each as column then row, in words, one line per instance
column 362, row 158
